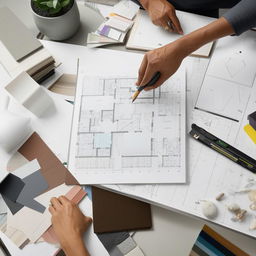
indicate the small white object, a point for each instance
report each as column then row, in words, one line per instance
column 27, row 92
column 252, row 195
column 126, row 9
column 119, row 23
column 234, row 207
column 209, row 209
column 253, row 206
column 253, row 224
column 220, row 196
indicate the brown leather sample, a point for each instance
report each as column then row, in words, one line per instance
column 114, row 212
column 51, row 167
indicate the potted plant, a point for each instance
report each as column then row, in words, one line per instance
column 57, row 19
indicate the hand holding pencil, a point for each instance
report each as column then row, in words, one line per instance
column 150, row 83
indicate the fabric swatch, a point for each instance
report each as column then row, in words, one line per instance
column 211, row 243
column 35, row 184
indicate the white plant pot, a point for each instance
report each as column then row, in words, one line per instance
column 61, row 27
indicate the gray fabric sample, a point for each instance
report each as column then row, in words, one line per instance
column 115, row 252
column 127, row 245
column 13, row 206
column 110, row 240
column 35, row 184
column 15, row 36
column 11, row 187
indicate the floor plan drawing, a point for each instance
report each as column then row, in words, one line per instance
column 141, row 142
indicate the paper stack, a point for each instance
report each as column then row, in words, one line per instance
column 20, row 51
column 27, row 192
column 116, row 26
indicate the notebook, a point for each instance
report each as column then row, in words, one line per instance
column 146, row 36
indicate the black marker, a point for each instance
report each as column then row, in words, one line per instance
column 223, row 148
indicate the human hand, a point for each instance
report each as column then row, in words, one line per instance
column 68, row 221
column 163, row 14
column 165, row 60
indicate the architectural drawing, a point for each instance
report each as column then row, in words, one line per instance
column 146, row 137
column 229, row 78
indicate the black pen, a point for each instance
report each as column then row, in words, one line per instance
column 150, row 83
column 223, row 148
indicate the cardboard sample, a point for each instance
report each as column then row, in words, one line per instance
column 29, row 93
column 10, row 189
column 114, row 212
column 16, row 37
column 52, row 169
column 35, row 184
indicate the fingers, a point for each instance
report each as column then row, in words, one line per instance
column 51, row 210
column 142, row 69
column 88, row 220
column 149, row 73
column 175, row 21
column 160, row 81
column 56, row 204
column 64, row 200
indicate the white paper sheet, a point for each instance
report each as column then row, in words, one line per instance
column 229, row 77
column 146, row 36
column 115, row 141
column 126, row 9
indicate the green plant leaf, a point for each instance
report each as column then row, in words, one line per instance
column 55, row 2
column 65, row 3
column 56, row 10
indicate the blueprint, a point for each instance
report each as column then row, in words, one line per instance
column 118, row 141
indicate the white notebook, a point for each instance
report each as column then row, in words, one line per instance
column 146, row 36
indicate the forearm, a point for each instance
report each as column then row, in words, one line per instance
column 75, row 246
column 215, row 30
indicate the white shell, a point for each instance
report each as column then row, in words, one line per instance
column 233, row 207
column 209, row 209
column 253, row 206
column 253, row 224
column 252, row 195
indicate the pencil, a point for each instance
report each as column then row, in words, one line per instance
column 150, row 83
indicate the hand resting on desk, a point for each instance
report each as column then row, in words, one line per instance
column 69, row 225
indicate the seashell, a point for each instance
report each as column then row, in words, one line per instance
column 253, row 206
column 253, row 224
column 220, row 196
column 239, row 216
column 234, row 207
column 252, row 195
column 209, row 210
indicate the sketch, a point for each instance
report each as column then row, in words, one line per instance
column 146, row 137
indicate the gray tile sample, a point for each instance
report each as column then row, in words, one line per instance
column 35, row 184
column 16, row 36
column 14, row 207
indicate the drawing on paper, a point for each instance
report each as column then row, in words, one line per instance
column 147, row 136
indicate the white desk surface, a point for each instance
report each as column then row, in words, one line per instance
column 172, row 233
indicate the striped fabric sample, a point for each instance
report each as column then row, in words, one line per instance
column 210, row 243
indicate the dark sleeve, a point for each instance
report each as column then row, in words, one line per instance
column 242, row 16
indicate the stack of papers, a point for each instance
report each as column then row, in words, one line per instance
column 116, row 26
column 27, row 191
column 20, row 51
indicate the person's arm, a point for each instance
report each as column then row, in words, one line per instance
column 69, row 225
column 168, row 58
column 163, row 14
